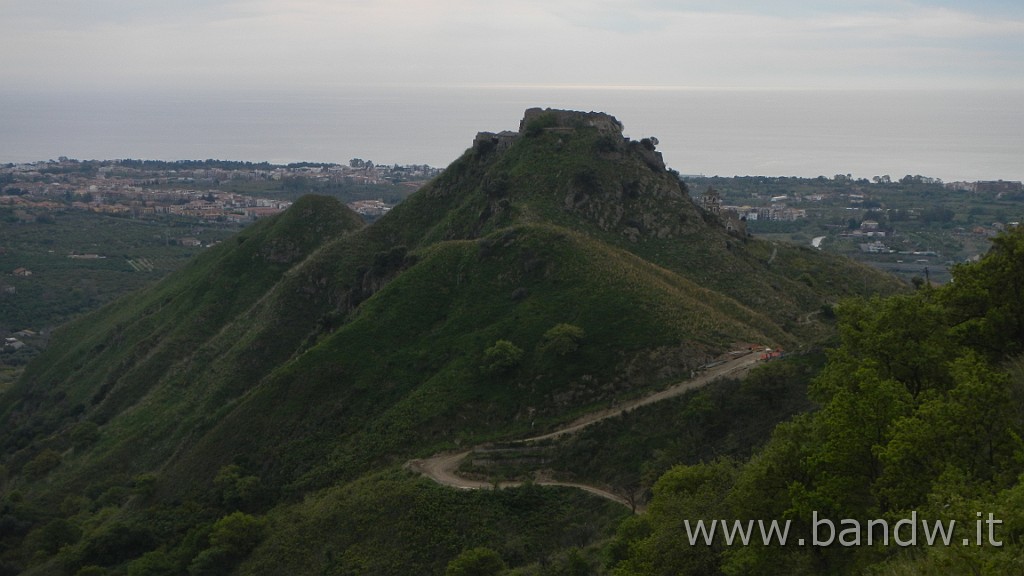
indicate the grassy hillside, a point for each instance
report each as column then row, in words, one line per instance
column 108, row 362
column 233, row 402
column 410, row 373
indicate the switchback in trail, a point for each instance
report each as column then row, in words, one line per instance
column 442, row 467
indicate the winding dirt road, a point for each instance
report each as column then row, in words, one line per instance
column 441, row 467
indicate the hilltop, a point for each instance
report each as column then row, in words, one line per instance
column 275, row 385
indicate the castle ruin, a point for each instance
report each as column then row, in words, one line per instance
column 549, row 120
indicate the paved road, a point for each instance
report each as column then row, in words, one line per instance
column 441, row 467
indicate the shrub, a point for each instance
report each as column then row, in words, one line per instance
column 144, row 484
column 502, row 357
column 480, row 561
column 563, row 339
column 84, row 434
column 49, row 538
column 155, row 563
column 234, row 489
column 232, row 538
column 537, row 125
column 42, row 464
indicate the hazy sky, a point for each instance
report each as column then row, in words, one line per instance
column 70, row 45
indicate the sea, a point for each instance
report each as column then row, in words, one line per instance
column 951, row 134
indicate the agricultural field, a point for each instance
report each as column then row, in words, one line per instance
column 70, row 262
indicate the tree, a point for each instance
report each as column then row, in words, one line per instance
column 49, row 538
column 232, row 538
column 154, row 563
column 502, row 357
column 684, row 494
column 904, row 338
column 238, row 532
column 84, row 434
column 44, row 462
column 985, row 301
column 855, row 425
column 479, row 561
column 937, row 214
column 969, row 429
column 562, row 339
column 234, row 489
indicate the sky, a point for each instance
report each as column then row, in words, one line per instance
column 71, row 45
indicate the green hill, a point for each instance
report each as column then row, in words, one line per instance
column 299, row 364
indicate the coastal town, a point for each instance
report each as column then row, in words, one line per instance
column 209, row 191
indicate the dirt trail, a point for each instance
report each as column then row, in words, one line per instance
column 441, row 467
column 742, row 363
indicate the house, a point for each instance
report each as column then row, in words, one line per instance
column 13, row 344
column 23, row 272
column 875, row 248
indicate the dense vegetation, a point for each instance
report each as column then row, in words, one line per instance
column 226, row 419
column 921, row 417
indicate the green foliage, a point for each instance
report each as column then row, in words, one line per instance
column 916, row 417
column 728, row 418
column 683, row 494
column 48, row 540
column 238, row 533
column 502, row 356
column 423, row 527
column 84, row 434
column 903, row 338
column 236, row 490
column 111, row 545
column 155, row 563
column 971, row 430
column 571, row 564
column 144, row 484
column 42, row 464
column 538, row 124
column 985, row 302
column 562, row 339
column 480, row 561
column 232, row 538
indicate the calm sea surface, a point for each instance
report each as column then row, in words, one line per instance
column 953, row 134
